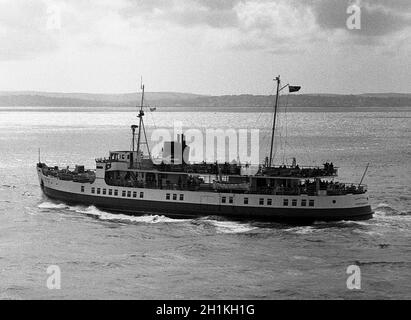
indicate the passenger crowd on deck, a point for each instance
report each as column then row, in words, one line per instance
column 311, row 187
column 296, row 171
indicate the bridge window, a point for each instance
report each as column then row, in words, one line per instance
column 181, row 197
column 134, row 194
column 141, row 194
column 223, row 200
column 110, row 192
column 129, row 194
column 82, row 188
column 303, row 202
column 167, row 196
column 93, row 190
column 269, row 202
column 123, row 193
column 311, row 203
column 261, row 201
column 104, row 191
column 294, row 202
column 245, row 200
column 98, row 190
column 116, row 192
column 174, row 196
column 230, row 199
column 285, row 202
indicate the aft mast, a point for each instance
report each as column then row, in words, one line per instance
column 277, row 99
column 274, row 120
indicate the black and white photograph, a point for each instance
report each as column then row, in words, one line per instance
column 225, row 151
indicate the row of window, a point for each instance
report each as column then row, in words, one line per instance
column 128, row 194
column 133, row 194
column 168, row 196
column 114, row 192
column 302, row 204
column 270, row 202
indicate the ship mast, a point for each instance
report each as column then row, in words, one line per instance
column 277, row 98
column 140, row 116
column 141, row 130
column 274, row 120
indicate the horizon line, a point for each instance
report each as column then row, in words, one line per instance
column 201, row 94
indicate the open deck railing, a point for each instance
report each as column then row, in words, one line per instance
column 337, row 189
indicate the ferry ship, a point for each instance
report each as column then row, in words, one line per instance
column 130, row 182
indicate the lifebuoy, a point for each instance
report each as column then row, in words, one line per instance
column 108, row 166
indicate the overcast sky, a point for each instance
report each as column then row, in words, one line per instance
column 204, row 46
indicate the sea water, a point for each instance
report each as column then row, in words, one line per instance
column 107, row 256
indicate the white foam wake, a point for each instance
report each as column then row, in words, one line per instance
column 53, row 206
column 230, row 226
column 102, row 215
column 220, row 226
column 301, row 230
column 385, row 210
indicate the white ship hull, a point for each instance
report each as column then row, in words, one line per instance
column 137, row 201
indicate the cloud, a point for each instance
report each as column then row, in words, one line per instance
column 400, row 5
column 384, row 24
column 23, row 30
column 212, row 13
column 27, row 29
column 383, row 20
column 378, row 18
column 280, row 25
column 275, row 26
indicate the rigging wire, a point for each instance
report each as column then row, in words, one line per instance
column 147, row 108
column 266, row 137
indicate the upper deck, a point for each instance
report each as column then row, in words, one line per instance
column 295, row 171
column 135, row 163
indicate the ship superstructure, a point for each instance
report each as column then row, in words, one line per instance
column 131, row 182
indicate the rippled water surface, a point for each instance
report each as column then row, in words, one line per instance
column 102, row 255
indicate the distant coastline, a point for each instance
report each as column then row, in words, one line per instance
column 180, row 102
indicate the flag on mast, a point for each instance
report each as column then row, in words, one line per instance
column 294, row 88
